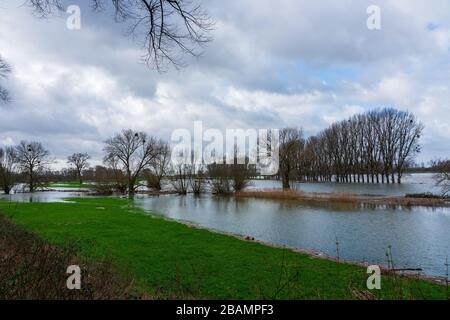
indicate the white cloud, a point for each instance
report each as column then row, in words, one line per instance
column 289, row 63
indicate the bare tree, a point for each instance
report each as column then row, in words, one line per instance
column 32, row 158
column 182, row 169
column 166, row 29
column 80, row 162
column 5, row 70
column 290, row 143
column 159, row 166
column 239, row 171
column 442, row 177
column 240, row 175
column 181, row 179
column 198, row 180
column 409, row 132
column 132, row 152
column 7, row 167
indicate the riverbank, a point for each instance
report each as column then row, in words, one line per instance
column 310, row 197
column 169, row 259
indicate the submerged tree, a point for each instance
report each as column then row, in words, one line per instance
column 167, row 29
column 7, row 168
column 290, row 143
column 182, row 174
column 240, row 171
column 376, row 146
column 32, row 158
column 220, row 179
column 80, row 162
column 182, row 170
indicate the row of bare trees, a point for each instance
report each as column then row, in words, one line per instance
column 372, row 147
column 129, row 158
column 29, row 163
column 132, row 155
column 219, row 179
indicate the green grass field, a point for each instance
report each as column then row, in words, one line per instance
column 69, row 184
column 171, row 260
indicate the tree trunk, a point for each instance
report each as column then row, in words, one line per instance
column 131, row 187
column 31, row 182
column 285, row 180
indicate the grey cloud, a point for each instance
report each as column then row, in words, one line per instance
column 296, row 63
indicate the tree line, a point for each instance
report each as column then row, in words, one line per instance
column 129, row 158
column 372, row 147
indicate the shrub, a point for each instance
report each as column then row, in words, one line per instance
column 33, row 269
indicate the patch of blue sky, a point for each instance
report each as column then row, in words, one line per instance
column 431, row 26
column 330, row 74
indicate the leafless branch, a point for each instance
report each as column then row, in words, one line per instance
column 168, row 30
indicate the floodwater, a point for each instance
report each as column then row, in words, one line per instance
column 419, row 237
column 413, row 183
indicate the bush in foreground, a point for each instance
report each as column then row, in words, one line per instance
column 33, row 269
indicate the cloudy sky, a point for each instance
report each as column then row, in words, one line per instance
column 271, row 64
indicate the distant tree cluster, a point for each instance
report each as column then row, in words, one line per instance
column 373, row 147
column 26, row 162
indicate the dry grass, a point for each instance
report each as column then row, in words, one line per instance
column 301, row 196
column 33, row 269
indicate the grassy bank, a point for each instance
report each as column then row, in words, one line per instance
column 31, row 268
column 311, row 197
column 171, row 260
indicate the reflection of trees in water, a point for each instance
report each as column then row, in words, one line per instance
column 334, row 205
